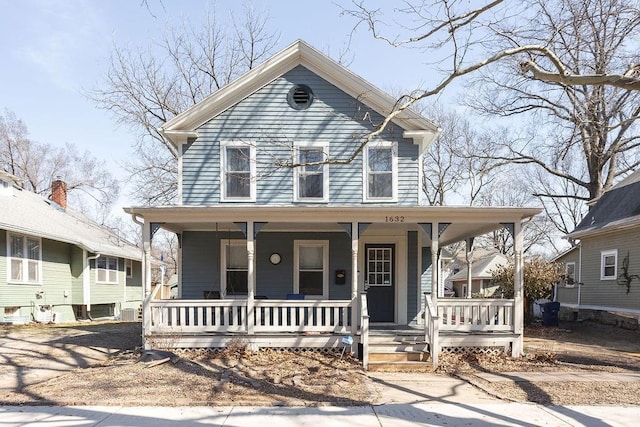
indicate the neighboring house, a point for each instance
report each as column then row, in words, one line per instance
column 604, row 266
column 55, row 260
column 481, row 279
column 567, row 290
column 287, row 252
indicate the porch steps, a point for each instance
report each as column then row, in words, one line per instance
column 398, row 351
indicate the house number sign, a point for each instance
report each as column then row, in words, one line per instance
column 394, row 218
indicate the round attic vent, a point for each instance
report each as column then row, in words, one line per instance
column 300, row 97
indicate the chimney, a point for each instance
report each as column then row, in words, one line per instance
column 59, row 192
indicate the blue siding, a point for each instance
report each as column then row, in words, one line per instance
column 201, row 262
column 266, row 120
column 412, row 274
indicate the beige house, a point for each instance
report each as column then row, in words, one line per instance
column 481, row 284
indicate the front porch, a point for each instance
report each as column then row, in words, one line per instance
column 450, row 326
column 356, row 269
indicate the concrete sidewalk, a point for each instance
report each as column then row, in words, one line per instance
column 397, row 415
column 580, row 376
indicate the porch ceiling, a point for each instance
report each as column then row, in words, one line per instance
column 464, row 221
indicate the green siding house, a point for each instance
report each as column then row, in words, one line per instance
column 603, row 268
column 56, row 264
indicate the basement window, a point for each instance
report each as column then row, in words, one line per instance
column 300, row 97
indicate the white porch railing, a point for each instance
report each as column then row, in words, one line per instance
column 476, row 315
column 431, row 329
column 464, row 315
column 211, row 316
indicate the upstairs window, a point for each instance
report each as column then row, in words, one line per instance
column 25, row 258
column 238, row 172
column 381, row 170
column 235, row 267
column 609, row 264
column 107, row 269
column 311, row 181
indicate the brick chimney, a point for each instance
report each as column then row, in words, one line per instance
column 59, row 192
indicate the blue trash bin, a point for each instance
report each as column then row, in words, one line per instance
column 550, row 312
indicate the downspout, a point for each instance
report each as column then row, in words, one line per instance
column 86, row 280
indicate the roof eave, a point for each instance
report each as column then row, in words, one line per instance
column 608, row 228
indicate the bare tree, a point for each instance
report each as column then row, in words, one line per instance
column 452, row 171
column 149, row 85
column 92, row 189
column 584, row 136
column 568, row 65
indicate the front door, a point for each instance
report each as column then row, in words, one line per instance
column 380, row 281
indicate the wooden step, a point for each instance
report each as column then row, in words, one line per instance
column 399, row 356
column 400, row 367
column 395, row 347
column 386, row 338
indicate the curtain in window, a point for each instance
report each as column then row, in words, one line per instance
column 311, row 270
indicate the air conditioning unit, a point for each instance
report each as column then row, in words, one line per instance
column 43, row 314
column 129, row 315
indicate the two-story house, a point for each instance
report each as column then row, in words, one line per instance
column 294, row 233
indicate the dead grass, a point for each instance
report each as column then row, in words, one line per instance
column 237, row 376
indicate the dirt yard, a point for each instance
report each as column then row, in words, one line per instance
column 98, row 364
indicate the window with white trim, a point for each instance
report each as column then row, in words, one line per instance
column 128, row 268
column 570, row 273
column 311, row 181
column 238, row 172
column 609, row 264
column 311, row 268
column 25, row 258
column 107, row 269
column 235, row 267
column 381, row 171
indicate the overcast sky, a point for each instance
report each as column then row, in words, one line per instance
column 53, row 51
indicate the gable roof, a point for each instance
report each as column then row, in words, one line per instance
column 184, row 125
column 565, row 253
column 32, row 214
column 616, row 209
column 481, row 269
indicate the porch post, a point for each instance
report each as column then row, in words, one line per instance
column 469, row 256
column 518, row 294
column 146, row 282
column 355, row 313
column 251, row 278
column 435, row 287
